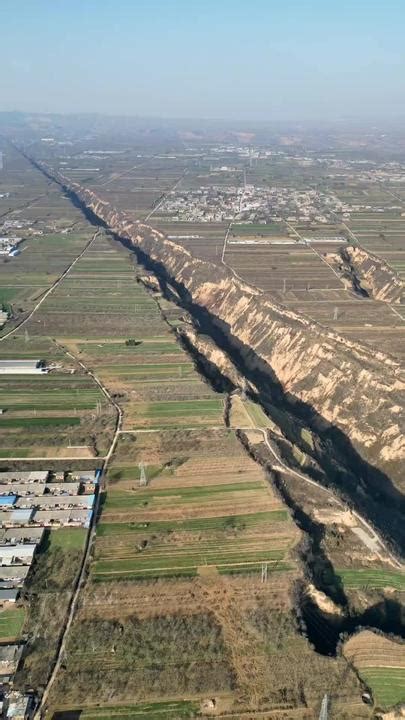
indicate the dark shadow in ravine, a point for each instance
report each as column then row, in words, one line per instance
column 343, row 469
column 363, row 486
column 324, row 631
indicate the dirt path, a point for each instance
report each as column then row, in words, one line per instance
column 374, row 540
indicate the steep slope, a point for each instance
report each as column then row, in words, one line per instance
column 368, row 274
column 348, row 395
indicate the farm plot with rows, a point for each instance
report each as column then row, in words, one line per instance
column 175, row 710
column 99, row 298
column 202, row 240
column 44, row 414
column 380, row 662
column 54, row 393
column 372, row 579
column 25, row 278
column 129, row 345
column 194, row 514
column 281, row 268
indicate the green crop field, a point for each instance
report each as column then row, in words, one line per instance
column 142, row 498
column 176, row 710
column 268, row 229
column 67, row 538
column 136, row 538
column 227, row 522
column 35, row 422
column 386, row 683
column 373, row 578
column 178, row 412
column 11, row 623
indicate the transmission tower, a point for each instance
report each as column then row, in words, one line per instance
column 264, row 572
column 142, row 475
column 26, row 336
column 323, row 715
column 336, row 313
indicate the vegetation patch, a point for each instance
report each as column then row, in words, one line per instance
column 11, row 623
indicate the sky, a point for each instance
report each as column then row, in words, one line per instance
column 253, row 60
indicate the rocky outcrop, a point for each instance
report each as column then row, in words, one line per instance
column 331, row 381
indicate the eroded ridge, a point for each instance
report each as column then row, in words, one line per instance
column 338, row 383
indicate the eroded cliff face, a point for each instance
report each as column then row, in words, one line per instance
column 333, row 380
column 369, row 274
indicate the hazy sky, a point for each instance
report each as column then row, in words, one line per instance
column 256, row 59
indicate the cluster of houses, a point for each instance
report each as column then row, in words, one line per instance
column 30, row 502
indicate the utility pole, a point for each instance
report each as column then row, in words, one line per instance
column 284, row 285
column 264, row 572
column 143, row 481
column 323, row 715
column 336, row 313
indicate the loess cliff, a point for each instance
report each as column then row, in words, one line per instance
column 368, row 274
column 332, row 382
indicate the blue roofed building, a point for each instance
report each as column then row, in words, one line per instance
column 7, row 500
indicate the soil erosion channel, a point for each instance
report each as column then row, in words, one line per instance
column 305, row 377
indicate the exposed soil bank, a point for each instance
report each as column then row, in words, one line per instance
column 363, row 485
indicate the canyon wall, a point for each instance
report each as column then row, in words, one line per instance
column 368, row 274
column 331, row 380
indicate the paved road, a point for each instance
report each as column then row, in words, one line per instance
column 51, row 289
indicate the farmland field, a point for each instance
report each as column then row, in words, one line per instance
column 11, row 623
column 381, row 664
column 189, row 590
column 176, row 710
column 373, row 578
column 175, row 526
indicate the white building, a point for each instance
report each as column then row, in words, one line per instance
column 22, row 367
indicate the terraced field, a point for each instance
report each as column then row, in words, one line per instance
column 373, row 578
column 282, row 267
column 381, row 664
column 127, row 342
column 25, row 278
column 175, row 526
column 44, row 414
